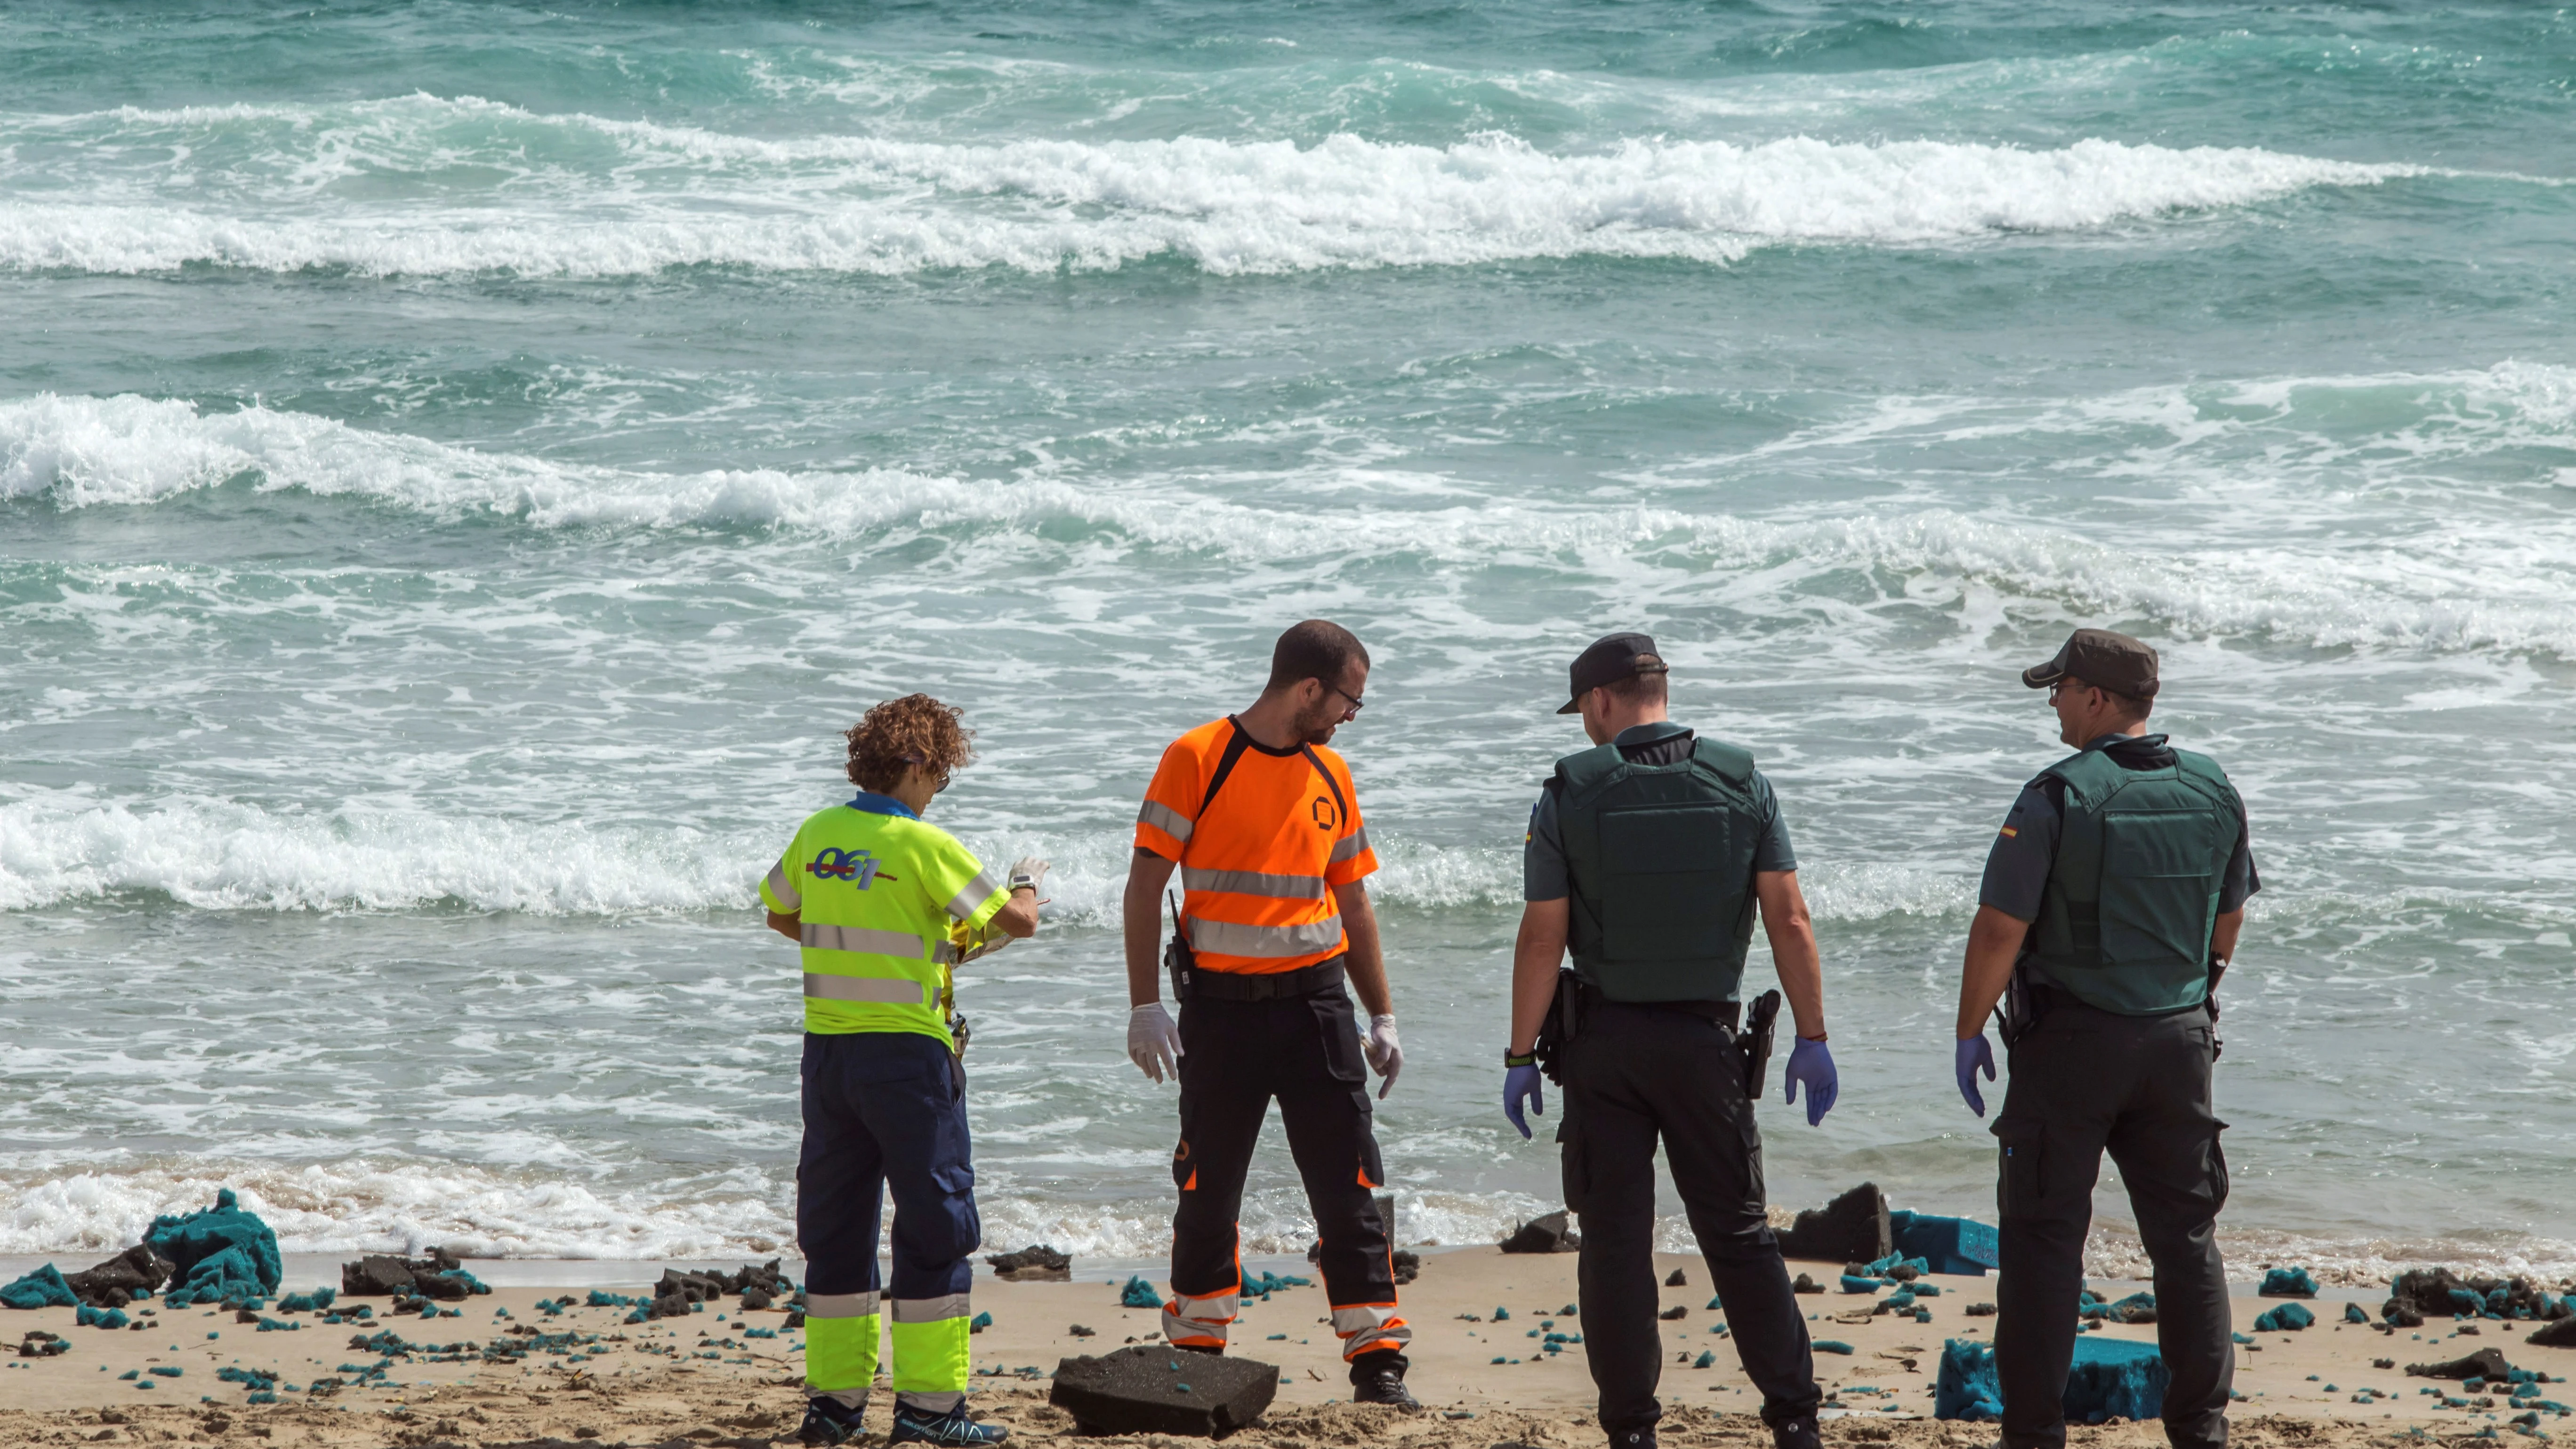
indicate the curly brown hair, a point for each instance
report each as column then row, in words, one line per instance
column 913, row 730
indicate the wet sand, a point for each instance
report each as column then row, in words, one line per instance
column 705, row 1379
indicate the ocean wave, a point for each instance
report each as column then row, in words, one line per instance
column 2473, row 585
column 679, row 197
column 223, row 855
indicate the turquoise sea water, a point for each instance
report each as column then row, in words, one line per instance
column 460, row 466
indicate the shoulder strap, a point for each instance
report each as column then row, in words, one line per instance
column 1735, row 765
column 1235, row 744
column 1329, row 782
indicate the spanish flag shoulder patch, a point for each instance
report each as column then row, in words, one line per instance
column 2009, row 832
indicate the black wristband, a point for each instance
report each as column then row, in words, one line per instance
column 1520, row 1059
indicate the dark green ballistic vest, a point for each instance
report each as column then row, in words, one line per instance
column 2125, row 922
column 1660, row 859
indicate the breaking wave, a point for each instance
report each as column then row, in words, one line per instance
column 2472, row 585
column 633, row 197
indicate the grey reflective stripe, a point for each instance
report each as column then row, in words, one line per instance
column 976, row 893
column 1350, row 846
column 784, row 888
column 892, row 990
column 1232, row 938
column 929, row 1402
column 1364, row 1316
column 840, row 1305
column 903, row 944
column 930, row 1310
column 946, row 953
column 1255, row 883
column 1165, row 819
column 1214, row 1308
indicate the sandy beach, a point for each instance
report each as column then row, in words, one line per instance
column 705, row 1379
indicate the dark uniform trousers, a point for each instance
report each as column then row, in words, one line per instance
column 886, row 1110
column 2083, row 1081
column 1634, row 1074
column 1305, row 1051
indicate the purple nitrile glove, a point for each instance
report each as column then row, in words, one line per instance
column 1974, row 1055
column 1523, row 1084
column 1810, row 1063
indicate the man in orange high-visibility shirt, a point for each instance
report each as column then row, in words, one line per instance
column 1264, row 823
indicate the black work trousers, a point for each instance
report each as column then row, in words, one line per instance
column 2084, row 1081
column 1305, row 1051
column 1635, row 1074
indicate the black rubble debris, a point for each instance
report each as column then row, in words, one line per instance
column 1851, row 1228
column 40, row 1344
column 1036, row 1263
column 1806, row 1284
column 382, row 1275
column 2559, row 1334
column 1677, row 1279
column 2486, row 1363
column 1407, row 1266
column 2438, row 1293
column 1545, row 1234
column 1151, row 1389
column 120, row 1280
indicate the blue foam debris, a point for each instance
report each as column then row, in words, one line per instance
column 129, row 1376
column 167, row 1371
column 1263, row 1284
column 1502, row 1314
column 1885, row 1267
column 89, row 1317
column 1967, row 1386
column 248, row 1378
column 1831, row 1345
column 1139, row 1294
column 1925, row 1290
column 223, row 1252
column 1957, row 1246
column 2352, row 1314
column 2287, row 1283
column 2110, row 1378
column 2288, row 1318
column 1854, row 1284
column 1706, row 1358
column 317, row 1301
column 43, row 1288
column 599, row 1299
column 979, row 1323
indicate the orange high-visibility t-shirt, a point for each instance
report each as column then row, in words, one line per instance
column 1258, row 867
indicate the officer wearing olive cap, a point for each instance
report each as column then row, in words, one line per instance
column 1649, row 856
column 2111, row 904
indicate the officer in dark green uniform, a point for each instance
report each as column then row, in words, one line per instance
column 2110, row 906
column 1649, row 855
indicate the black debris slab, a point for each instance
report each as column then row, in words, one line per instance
column 1851, row 1228
column 121, row 1279
column 1150, row 1389
column 1677, row 1279
column 1036, row 1263
column 2486, row 1363
column 1545, row 1234
column 2561, row 1334
column 381, row 1275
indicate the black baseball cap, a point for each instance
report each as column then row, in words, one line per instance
column 1612, row 657
column 2102, row 659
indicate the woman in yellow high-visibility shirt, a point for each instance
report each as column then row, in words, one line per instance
column 877, row 899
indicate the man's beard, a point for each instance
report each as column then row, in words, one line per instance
column 1317, row 727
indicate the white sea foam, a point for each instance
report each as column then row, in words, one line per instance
column 667, row 196
column 2470, row 586
column 365, row 1206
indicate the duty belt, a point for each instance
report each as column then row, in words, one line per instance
column 1323, row 976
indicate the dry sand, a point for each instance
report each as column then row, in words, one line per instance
column 701, row 1379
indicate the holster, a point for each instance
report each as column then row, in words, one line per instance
column 2024, row 1004
column 1179, row 959
column 1761, row 1020
column 1564, row 1021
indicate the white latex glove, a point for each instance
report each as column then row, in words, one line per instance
column 1027, row 871
column 1383, row 1051
column 1154, row 1042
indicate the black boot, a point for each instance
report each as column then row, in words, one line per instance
column 1378, row 1378
column 1639, row 1438
column 1797, row 1433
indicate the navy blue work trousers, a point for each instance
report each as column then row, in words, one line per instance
column 885, row 1109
